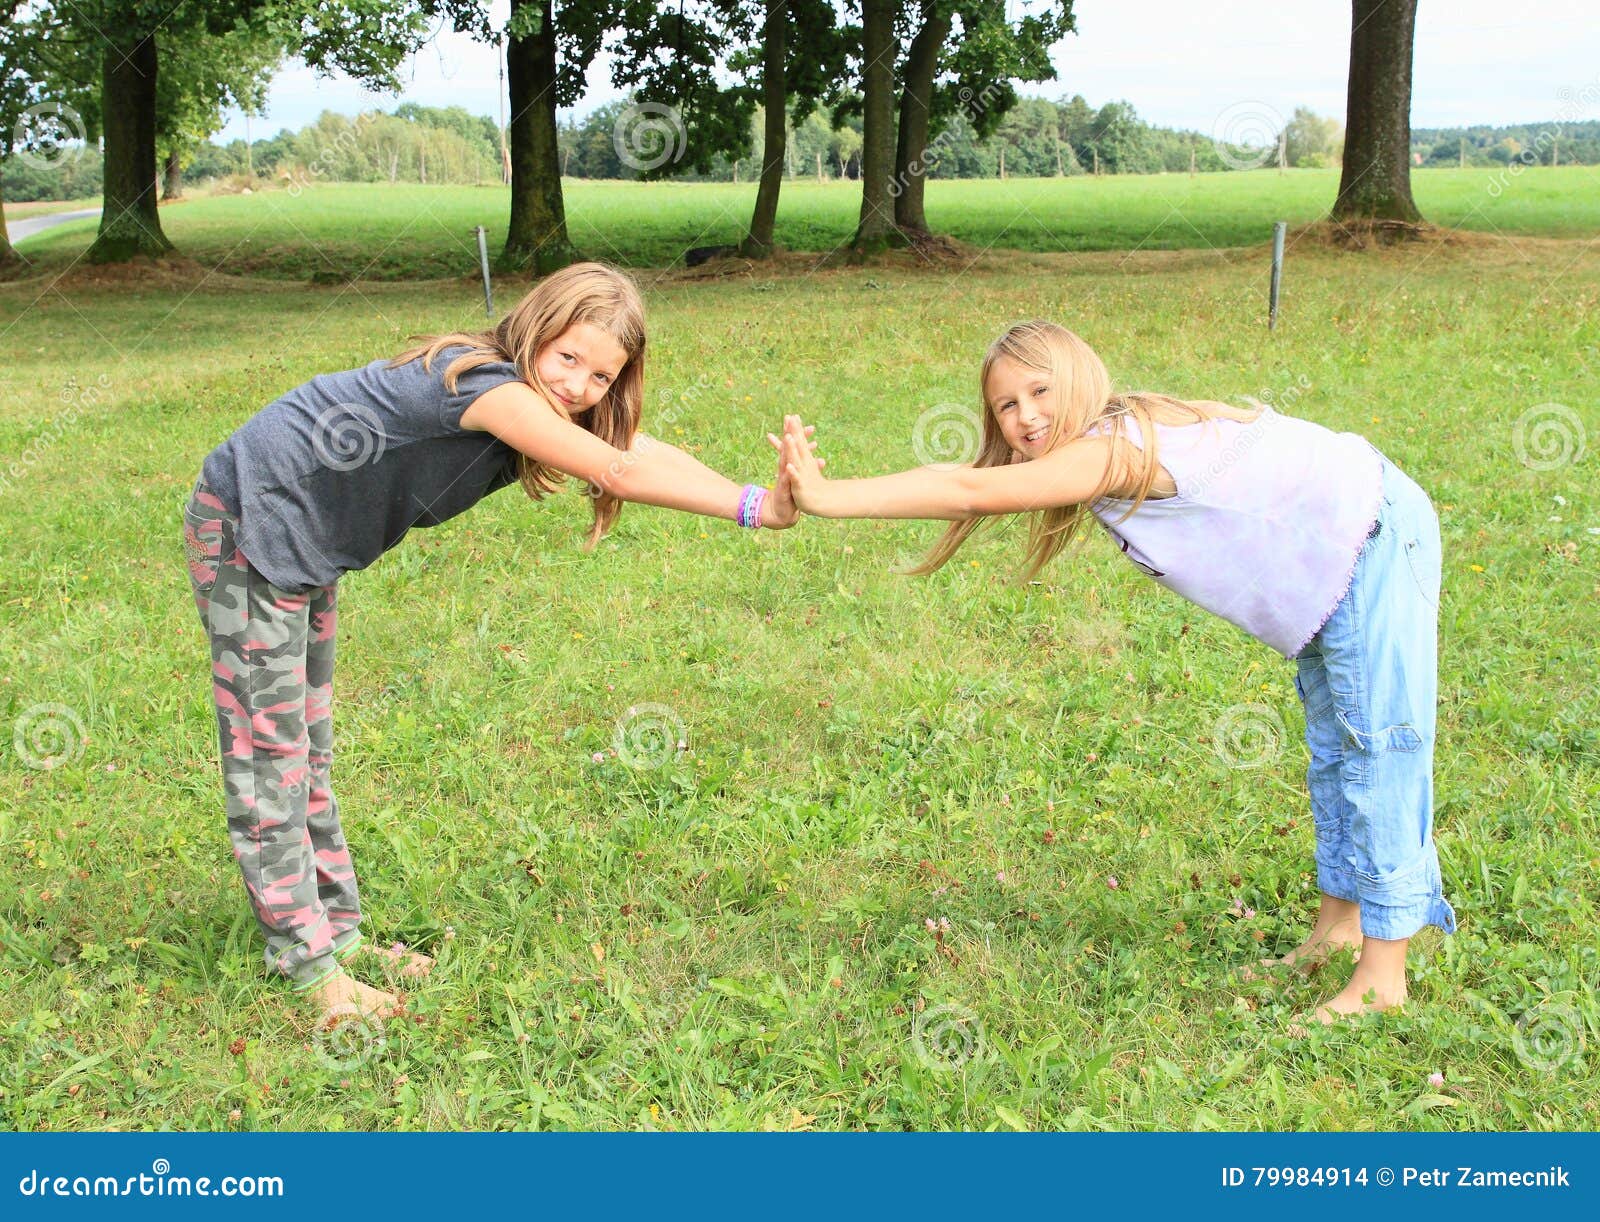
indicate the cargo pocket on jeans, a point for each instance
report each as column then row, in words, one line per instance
column 202, row 545
column 1369, row 742
column 1426, row 565
column 1319, row 710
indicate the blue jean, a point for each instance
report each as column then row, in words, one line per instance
column 1369, row 681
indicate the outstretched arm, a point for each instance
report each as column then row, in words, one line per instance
column 651, row 473
column 1068, row 476
column 778, row 513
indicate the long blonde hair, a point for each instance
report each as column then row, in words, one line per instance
column 592, row 293
column 1083, row 400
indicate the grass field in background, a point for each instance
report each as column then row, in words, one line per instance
column 737, row 937
column 386, row 232
column 17, row 212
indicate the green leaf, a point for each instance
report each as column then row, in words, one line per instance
column 1011, row 1118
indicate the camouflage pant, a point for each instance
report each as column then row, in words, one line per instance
column 272, row 668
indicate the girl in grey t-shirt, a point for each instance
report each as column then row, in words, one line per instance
column 326, row 479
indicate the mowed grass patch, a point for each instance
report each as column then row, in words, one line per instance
column 338, row 231
column 736, row 937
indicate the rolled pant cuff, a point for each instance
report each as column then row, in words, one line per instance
column 1391, row 922
column 310, row 974
column 1339, row 883
column 344, row 947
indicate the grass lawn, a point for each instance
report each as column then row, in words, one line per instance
column 17, row 212
column 403, row 232
column 736, row 938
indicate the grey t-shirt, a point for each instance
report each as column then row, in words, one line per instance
column 329, row 477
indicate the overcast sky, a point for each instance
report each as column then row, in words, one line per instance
column 1180, row 63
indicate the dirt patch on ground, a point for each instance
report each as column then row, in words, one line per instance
column 1367, row 235
column 939, row 256
column 179, row 273
column 174, row 272
column 936, row 254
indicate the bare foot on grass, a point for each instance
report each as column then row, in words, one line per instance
column 1377, row 985
column 397, row 958
column 340, row 997
column 1337, row 928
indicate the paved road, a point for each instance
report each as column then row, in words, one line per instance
column 28, row 226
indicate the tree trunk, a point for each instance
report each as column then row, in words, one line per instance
column 775, row 154
column 916, row 98
column 775, row 151
column 876, row 228
column 1376, row 181
column 8, row 256
column 172, row 178
column 129, row 224
column 536, row 237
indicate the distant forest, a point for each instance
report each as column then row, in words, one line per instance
column 1037, row 138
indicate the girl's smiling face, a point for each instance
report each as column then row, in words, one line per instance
column 580, row 365
column 1024, row 405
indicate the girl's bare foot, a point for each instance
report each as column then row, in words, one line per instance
column 1378, row 984
column 397, row 957
column 1337, row 928
column 340, row 997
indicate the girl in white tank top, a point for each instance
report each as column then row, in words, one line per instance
column 1307, row 539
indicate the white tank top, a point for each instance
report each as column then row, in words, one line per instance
column 1267, row 523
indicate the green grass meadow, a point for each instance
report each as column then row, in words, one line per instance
column 336, row 230
column 736, row 938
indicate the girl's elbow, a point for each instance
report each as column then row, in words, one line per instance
column 620, row 478
column 968, row 497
